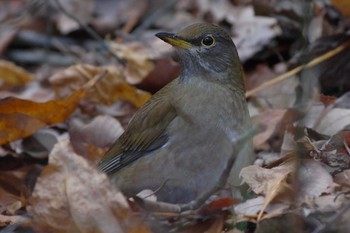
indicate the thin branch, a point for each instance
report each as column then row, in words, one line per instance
column 296, row 70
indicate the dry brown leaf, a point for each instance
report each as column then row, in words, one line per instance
column 72, row 196
column 262, row 180
column 139, row 63
column 40, row 143
column 21, row 118
column 7, row 34
column 343, row 177
column 334, row 120
column 217, row 225
column 288, row 144
column 10, row 202
column 108, row 90
column 269, row 118
column 328, row 203
column 110, row 15
column 280, row 95
column 249, row 209
column 327, row 100
column 270, row 182
column 275, row 189
column 14, row 189
column 12, row 75
column 14, row 126
column 343, row 6
column 314, row 180
column 7, row 220
column 101, row 132
column 82, row 10
column 165, row 70
column 251, row 32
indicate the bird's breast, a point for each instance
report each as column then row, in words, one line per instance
column 210, row 104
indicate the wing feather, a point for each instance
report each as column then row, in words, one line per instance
column 146, row 132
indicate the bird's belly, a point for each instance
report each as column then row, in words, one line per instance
column 189, row 165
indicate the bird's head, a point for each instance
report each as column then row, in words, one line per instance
column 205, row 49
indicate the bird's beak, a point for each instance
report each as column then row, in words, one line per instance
column 174, row 40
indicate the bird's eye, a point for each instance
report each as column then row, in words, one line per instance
column 208, row 40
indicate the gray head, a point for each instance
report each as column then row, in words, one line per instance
column 205, row 50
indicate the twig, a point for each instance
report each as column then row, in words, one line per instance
column 95, row 79
column 296, row 70
column 89, row 30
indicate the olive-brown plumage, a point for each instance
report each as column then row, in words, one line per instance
column 181, row 139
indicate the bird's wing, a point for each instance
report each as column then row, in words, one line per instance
column 146, row 132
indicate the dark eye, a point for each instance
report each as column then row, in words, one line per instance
column 208, row 41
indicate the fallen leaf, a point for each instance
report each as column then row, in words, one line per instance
column 82, row 10
column 327, row 203
column 14, row 189
column 9, row 220
column 138, row 58
column 270, row 119
column 333, row 121
column 100, row 133
column 270, row 182
column 262, row 180
column 40, row 144
column 288, row 144
column 110, row 15
column 21, row 118
column 111, row 88
column 343, row 178
column 251, row 32
column 249, row 209
column 343, row 6
column 72, row 196
column 313, row 179
column 7, row 34
column 12, row 75
column 327, row 100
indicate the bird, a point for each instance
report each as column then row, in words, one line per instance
column 179, row 142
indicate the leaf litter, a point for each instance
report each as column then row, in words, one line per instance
column 302, row 166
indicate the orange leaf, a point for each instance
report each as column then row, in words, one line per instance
column 21, row 118
column 111, row 88
column 14, row 126
column 327, row 100
column 12, row 75
column 343, row 6
column 217, row 205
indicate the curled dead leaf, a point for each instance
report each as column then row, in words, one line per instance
column 75, row 197
column 270, row 182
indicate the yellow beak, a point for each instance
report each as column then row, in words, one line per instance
column 174, row 40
